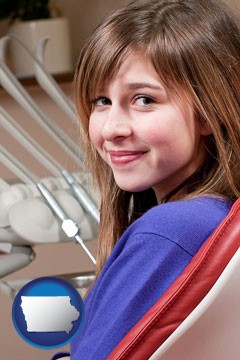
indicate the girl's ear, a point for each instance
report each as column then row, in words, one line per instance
column 205, row 128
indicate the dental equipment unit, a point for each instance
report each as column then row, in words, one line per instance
column 63, row 196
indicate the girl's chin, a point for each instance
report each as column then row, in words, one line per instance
column 134, row 189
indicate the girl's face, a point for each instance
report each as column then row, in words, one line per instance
column 147, row 135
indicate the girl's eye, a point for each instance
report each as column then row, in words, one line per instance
column 101, row 101
column 143, row 101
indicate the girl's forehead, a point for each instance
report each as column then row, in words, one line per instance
column 127, row 65
column 135, row 72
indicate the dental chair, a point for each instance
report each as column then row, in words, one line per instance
column 198, row 317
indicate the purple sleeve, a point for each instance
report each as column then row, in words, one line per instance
column 132, row 284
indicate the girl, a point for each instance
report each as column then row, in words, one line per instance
column 157, row 89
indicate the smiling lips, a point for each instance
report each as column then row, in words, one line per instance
column 122, row 157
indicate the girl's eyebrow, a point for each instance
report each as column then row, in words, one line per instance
column 140, row 85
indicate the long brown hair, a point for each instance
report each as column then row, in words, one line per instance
column 195, row 48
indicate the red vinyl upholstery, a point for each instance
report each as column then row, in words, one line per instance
column 184, row 294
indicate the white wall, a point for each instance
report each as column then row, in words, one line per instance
column 85, row 15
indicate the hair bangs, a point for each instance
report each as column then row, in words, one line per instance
column 98, row 63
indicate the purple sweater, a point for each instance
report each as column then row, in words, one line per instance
column 148, row 257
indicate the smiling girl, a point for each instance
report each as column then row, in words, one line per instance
column 157, row 89
column 146, row 134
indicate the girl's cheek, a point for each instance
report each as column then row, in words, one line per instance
column 94, row 133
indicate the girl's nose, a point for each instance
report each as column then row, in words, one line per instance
column 117, row 124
